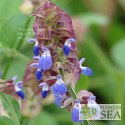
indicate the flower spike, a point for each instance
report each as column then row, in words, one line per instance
column 59, row 86
column 45, row 62
column 54, row 33
column 67, row 45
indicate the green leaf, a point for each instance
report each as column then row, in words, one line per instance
column 5, row 121
column 94, row 18
column 17, row 67
column 118, row 53
column 44, row 118
column 10, row 32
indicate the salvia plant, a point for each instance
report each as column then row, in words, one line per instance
column 55, row 64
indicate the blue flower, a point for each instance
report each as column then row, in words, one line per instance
column 35, row 48
column 39, row 74
column 45, row 62
column 19, row 89
column 67, row 45
column 85, row 70
column 45, row 89
column 58, row 99
column 59, row 86
column 75, row 111
column 93, row 105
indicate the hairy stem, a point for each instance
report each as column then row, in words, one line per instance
column 72, row 92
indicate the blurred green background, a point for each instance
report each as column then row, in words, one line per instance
column 100, row 32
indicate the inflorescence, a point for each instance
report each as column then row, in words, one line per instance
column 55, row 59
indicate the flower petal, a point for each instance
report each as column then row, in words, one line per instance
column 75, row 114
column 62, row 89
column 19, row 83
column 45, row 91
column 66, row 49
column 19, row 91
column 36, row 57
column 34, row 65
column 75, row 111
column 59, row 88
column 31, row 40
column 56, row 88
column 45, row 62
column 87, row 71
column 14, row 78
column 42, row 84
column 91, row 98
column 44, row 49
column 93, row 105
column 81, row 61
column 71, row 40
column 58, row 99
column 36, row 50
column 39, row 74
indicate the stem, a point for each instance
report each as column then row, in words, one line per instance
column 71, row 91
column 15, row 119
